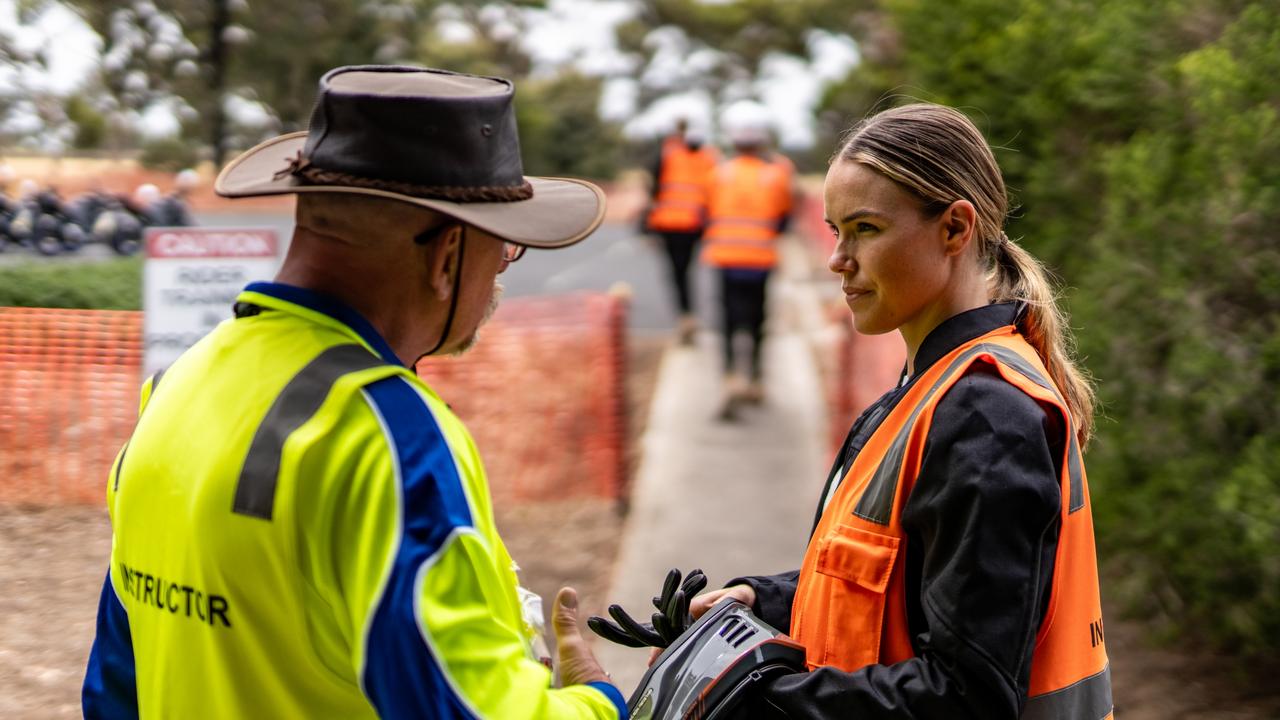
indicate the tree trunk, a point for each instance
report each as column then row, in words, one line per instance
column 220, row 18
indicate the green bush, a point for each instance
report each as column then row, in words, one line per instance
column 1188, row 251
column 169, row 154
column 110, row 285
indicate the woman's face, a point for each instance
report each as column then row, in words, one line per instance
column 892, row 261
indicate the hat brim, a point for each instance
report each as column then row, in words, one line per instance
column 561, row 212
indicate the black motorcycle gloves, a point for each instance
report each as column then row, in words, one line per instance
column 669, row 623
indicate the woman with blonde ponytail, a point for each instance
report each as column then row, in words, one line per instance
column 951, row 572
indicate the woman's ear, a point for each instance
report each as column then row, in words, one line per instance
column 442, row 259
column 960, row 223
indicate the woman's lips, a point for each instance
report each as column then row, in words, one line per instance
column 853, row 294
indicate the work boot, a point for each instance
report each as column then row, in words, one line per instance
column 688, row 330
column 734, row 389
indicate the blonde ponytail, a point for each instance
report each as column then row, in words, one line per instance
column 1020, row 276
column 936, row 153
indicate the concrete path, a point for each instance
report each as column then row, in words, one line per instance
column 732, row 498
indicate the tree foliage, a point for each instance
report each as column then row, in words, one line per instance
column 198, row 56
column 561, row 132
column 723, row 46
column 1139, row 140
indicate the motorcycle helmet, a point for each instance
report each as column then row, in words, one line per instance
column 714, row 665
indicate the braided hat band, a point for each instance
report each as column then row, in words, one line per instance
column 302, row 168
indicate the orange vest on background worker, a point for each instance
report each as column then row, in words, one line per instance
column 751, row 194
column 850, row 609
column 683, row 188
column 672, row 141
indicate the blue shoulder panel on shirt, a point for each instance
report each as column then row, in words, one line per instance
column 110, row 682
column 402, row 677
column 615, row 697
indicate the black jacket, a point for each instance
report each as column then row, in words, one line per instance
column 981, row 531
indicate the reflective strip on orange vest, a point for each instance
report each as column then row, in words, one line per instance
column 876, row 503
column 1089, row 698
column 850, row 604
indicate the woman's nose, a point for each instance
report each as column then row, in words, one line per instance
column 839, row 262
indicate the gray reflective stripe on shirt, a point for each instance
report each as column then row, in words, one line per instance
column 876, row 503
column 300, row 399
column 1088, row 699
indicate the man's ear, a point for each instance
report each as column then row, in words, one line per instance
column 442, row 252
column 959, row 224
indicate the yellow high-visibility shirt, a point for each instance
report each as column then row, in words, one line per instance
column 301, row 528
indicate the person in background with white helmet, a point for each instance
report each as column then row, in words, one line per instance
column 678, row 210
column 173, row 210
column 146, row 195
column 750, row 206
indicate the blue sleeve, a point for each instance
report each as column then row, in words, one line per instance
column 615, row 697
column 110, row 684
column 403, row 675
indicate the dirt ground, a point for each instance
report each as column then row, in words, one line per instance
column 54, row 560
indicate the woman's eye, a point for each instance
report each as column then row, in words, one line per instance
column 835, row 231
column 866, row 228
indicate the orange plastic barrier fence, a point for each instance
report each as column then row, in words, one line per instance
column 68, row 400
column 543, row 394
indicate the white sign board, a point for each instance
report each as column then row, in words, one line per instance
column 191, row 280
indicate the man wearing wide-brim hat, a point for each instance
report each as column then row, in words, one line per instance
column 301, row 527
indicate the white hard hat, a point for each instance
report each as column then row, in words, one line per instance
column 187, row 180
column 146, row 194
column 747, row 123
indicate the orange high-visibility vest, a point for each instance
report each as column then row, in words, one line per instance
column 850, row 608
column 683, row 186
column 749, row 197
column 671, row 142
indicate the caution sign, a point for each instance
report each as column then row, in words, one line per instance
column 190, row 282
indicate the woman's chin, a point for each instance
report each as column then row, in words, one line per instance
column 868, row 323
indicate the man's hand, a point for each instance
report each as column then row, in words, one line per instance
column 576, row 664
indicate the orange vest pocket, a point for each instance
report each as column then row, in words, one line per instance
column 856, row 565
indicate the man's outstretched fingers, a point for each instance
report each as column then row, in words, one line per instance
column 576, row 663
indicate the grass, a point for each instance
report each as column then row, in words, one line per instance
column 114, row 284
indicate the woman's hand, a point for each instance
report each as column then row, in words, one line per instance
column 704, row 602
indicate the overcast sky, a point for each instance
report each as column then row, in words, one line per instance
column 567, row 31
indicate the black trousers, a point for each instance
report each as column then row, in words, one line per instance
column 681, row 247
column 742, row 294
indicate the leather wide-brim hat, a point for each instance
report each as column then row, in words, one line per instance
column 438, row 139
